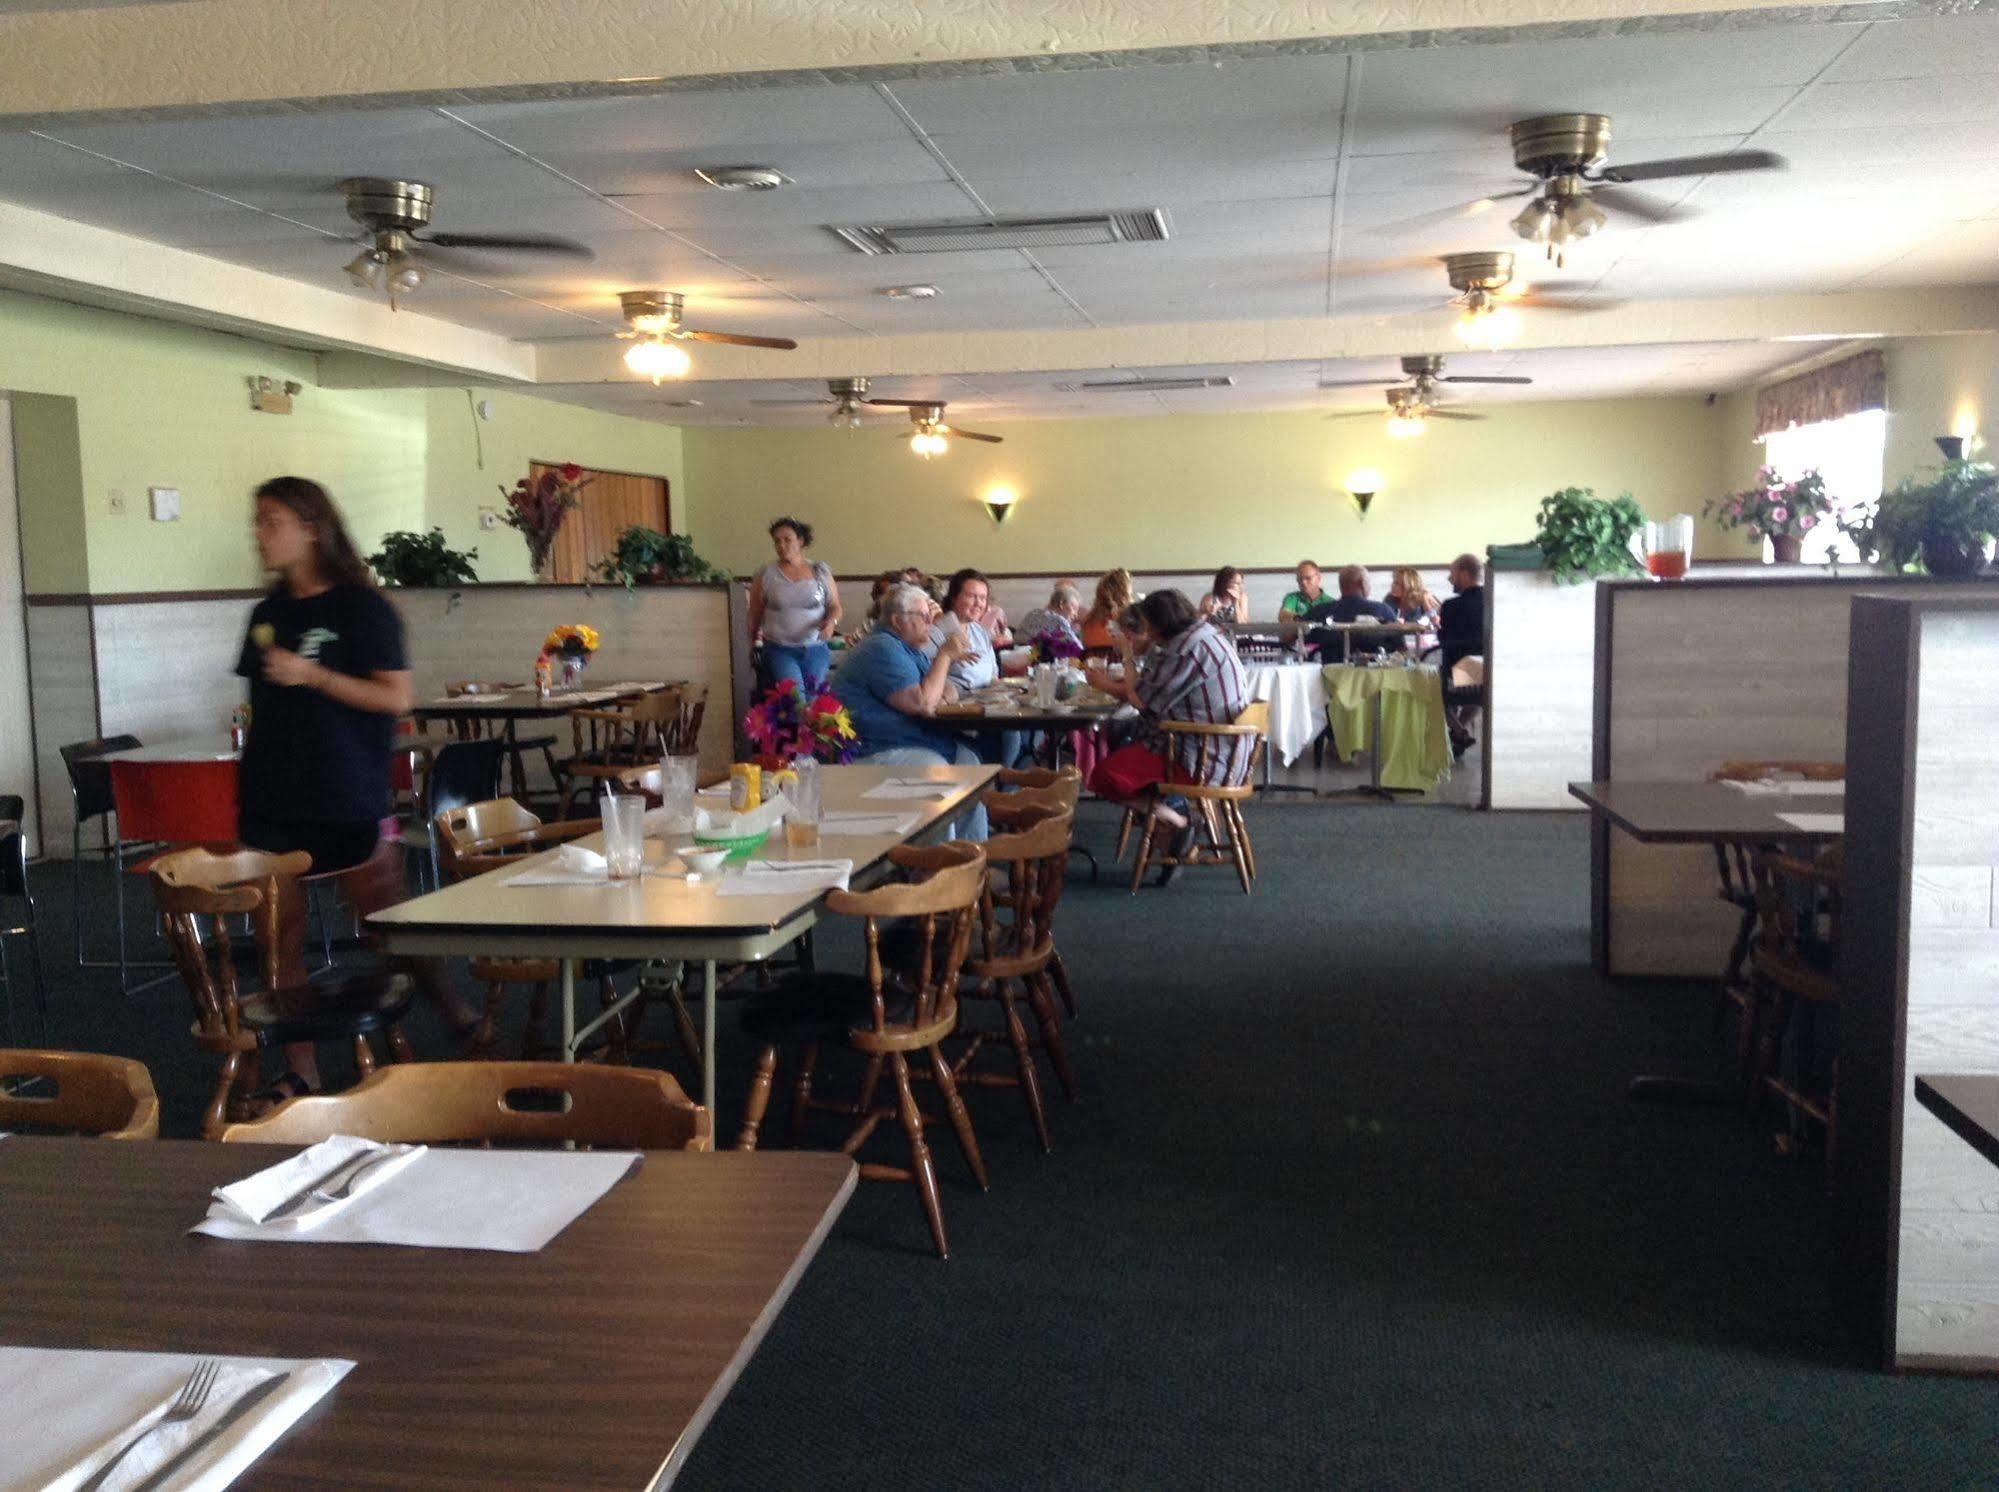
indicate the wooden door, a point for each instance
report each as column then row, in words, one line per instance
column 613, row 501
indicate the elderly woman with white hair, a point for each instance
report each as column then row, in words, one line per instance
column 892, row 688
column 1061, row 617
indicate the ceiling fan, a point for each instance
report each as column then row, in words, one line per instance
column 844, row 401
column 653, row 317
column 931, row 435
column 1411, row 404
column 1489, row 298
column 394, row 257
column 1572, row 186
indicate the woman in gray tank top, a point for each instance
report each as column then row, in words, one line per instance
column 794, row 607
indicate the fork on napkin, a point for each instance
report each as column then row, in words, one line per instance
column 314, row 1184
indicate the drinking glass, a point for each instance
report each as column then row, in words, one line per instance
column 1668, row 545
column 801, row 821
column 1044, row 685
column 624, row 835
column 676, row 788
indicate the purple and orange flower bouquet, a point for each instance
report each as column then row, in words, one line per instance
column 1055, row 646
column 790, row 722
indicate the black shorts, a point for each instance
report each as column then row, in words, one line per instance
column 336, row 846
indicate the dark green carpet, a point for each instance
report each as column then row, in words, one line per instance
column 1354, row 1198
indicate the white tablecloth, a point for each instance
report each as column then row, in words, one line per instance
column 1297, row 695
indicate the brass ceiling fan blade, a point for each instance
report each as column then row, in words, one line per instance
column 1356, row 414
column 1696, row 165
column 1358, row 383
column 734, row 339
column 1554, row 303
column 955, row 433
column 1638, row 205
column 1450, row 414
column 905, row 403
column 511, row 243
column 1482, row 378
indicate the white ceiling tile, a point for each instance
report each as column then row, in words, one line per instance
column 715, row 121
column 1927, row 47
column 1060, row 187
column 813, row 164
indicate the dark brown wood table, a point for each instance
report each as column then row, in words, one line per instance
column 1969, row 1105
column 1705, row 812
column 594, row 1363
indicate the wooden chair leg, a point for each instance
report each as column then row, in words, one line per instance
column 1237, row 846
column 1061, row 972
column 683, row 1020
column 364, row 1056
column 1041, row 996
column 870, row 1080
column 1241, row 832
column 961, row 1118
column 1769, row 1042
column 1124, row 829
column 486, row 1034
column 616, row 1051
column 801, row 1090
column 921, row 1166
column 399, row 1044
column 531, row 1042
column 216, row 1116
column 1023, row 1061
column 1144, row 857
column 759, row 1099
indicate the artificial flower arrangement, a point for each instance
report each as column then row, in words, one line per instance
column 1773, row 508
column 537, row 505
column 790, row 722
column 572, row 640
column 1056, row 646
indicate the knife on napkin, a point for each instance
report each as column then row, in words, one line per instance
column 246, row 1401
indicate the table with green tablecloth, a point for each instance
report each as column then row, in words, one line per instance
column 1416, row 750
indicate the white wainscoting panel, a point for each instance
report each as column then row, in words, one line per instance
column 1542, row 672
column 65, row 708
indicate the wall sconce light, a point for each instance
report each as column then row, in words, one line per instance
column 999, row 501
column 1362, row 486
column 1952, row 447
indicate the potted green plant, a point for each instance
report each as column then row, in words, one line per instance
column 1774, row 509
column 1583, row 535
column 645, row 556
column 1945, row 518
column 419, row 560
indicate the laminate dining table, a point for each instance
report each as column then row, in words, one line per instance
column 665, row 916
column 595, row 1362
column 1969, row 1104
column 508, row 707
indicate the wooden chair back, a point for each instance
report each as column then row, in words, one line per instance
column 1226, row 753
column 1732, row 861
column 941, row 895
column 1798, row 917
column 453, row 1103
column 479, row 837
column 476, row 727
column 197, row 892
column 91, row 1094
column 1032, row 787
column 631, row 731
column 1027, row 866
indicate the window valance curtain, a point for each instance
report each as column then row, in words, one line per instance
column 1829, row 393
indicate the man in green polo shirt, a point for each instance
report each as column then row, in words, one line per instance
column 1309, row 593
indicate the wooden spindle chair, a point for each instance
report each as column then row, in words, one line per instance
column 607, row 743
column 1026, row 862
column 885, row 1020
column 1214, row 808
column 197, row 892
column 497, row 727
column 1794, row 962
column 509, row 1103
column 81, row 1092
column 1017, row 790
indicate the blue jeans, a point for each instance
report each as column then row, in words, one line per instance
column 971, row 822
column 805, row 662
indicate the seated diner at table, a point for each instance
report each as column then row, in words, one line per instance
column 1226, row 600
column 1059, row 618
column 1099, row 623
column 1461, row 643
column 1354, row 605
column 965, row 604
column 1409, row 598
column 1176, row 667
column 1309, row 593
column 892, row 687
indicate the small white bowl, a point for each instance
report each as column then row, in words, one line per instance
column 703, row 861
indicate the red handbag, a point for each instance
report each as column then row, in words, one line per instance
column 1127, row 772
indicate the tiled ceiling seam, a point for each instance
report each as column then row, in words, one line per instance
column 1349, row 108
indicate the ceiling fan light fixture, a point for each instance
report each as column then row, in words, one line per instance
column 845, row 416
column 1405, row 424
column 369, row 269
column 405, row 277
column 1489, row 326
column 927, row 443
column 657, row 359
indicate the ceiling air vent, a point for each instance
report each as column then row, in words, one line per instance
column 1147, row 385
column 1145, row 225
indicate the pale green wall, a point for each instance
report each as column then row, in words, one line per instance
column 1939, row 386
column 525, row 430
column 1192, row 491
column 155, row 404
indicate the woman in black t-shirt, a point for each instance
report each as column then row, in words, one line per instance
column 328, row 679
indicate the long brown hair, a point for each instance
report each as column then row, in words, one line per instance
column 339, row 562
column 1113, row 596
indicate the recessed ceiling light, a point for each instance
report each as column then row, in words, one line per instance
column 743, row 178
column 910, row 292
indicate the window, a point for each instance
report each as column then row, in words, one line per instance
column 1848, row 453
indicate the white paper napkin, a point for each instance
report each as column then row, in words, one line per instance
column 1801, row 789
column 911, row 787
column 659, row 823
column 571, row 865
column 1816, row 823
column 868, row 823
column 719, row 824
column 63, row 1413
column 296, row 1193
column 774, row 877
column 508, row 1201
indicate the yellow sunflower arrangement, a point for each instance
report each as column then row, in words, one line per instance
column 571, row 640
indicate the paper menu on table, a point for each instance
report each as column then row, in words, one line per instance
column 1788, row 789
